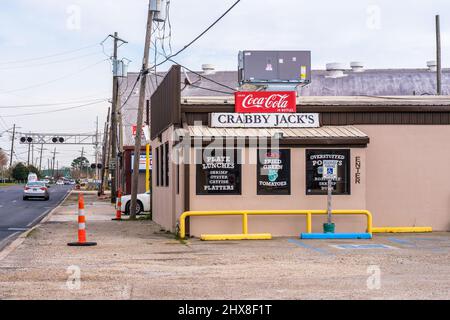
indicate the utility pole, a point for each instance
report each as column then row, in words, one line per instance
column 438, row 57
column 114, row 117
column 28, row 160
column 96, row 149
column 40, row 157
column 140, row 114
column 53, row 163
column 104, row 157
column 32, row 154
column 81, row 162
column 12, row 146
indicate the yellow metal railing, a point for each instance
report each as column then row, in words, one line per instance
column 246, row 213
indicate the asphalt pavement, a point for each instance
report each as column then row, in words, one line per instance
column 17, row 215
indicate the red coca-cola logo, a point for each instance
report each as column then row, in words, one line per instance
column 266, row 102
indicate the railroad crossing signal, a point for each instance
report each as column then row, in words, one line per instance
column 49, row 138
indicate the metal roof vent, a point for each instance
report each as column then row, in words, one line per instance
column 432, row 66
column 357, row 66
column 208, row 69
column 335, row 70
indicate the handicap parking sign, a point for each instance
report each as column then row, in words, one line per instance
column 329, row 169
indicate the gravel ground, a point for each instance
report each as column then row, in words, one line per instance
column 138, row 260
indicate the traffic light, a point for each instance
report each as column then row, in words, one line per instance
column 58, row 139
column 26, row 140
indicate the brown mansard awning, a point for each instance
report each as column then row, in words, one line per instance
column 327, row 135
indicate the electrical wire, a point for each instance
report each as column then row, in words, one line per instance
column 208, row 89
column 198, row 37
column 50, row 63
column 53, row 111
column 202, row 76
column 131, row 93
column 49, row 104
column 54, row 80
column 49, row 56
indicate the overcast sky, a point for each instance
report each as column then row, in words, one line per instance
column 382, row 34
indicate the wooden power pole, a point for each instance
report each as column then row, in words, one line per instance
column 12, row 146
column 140, row 113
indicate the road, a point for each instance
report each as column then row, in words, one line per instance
column 17, row 216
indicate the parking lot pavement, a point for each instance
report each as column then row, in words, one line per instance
column 138, row 260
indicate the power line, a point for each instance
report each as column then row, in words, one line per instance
column 53, row 111
column 55, row 80
column 131, row 93
column 49, row 56
column 208, row 89
column 50, row 63
column 49, row 104
column 202, row 76
column 198, row 37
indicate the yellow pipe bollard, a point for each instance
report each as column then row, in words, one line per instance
column 245, row 214
column 245, row 223
column 308, row 223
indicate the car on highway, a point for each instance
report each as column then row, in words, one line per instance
column 46, row 182
column 32, row 177
column 142, row 205
column 36, row 189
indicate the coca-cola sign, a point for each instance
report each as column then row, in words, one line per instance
column 266, row 102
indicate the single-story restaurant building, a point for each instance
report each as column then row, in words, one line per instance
column 391, row 154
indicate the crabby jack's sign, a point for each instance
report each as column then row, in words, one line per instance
column 266, row 102
column 265, row 120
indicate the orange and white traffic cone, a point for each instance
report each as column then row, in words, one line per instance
column 81, row 226
column 119, row 206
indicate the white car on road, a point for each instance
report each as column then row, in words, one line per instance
column 142, row 205
column 36, row 190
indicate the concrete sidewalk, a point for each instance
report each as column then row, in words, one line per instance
column 137, row 260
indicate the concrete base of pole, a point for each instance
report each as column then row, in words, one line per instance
column 82, row 244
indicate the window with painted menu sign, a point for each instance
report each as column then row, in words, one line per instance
column 316, row 182
column 274, row 172
column 218, row 172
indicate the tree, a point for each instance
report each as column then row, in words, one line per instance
column 3, row 159
column 3, row 163
column 80, row 163
column 20, row 172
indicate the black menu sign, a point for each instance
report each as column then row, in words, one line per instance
column 274, row 172
column 219, row 172
column 316, row 181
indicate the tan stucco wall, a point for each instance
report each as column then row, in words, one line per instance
column 163, row 206
column 285, row 225
column 408, row 181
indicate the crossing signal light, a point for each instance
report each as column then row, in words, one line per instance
column 96, row 166
column 26, row 140
column 58, row 139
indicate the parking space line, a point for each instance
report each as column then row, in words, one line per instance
column 307, row 246
column 402, row 241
